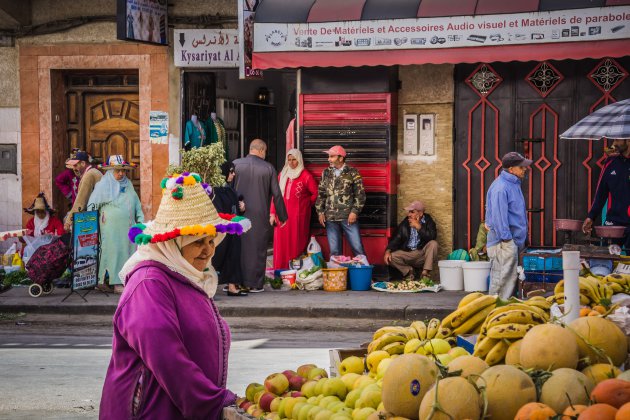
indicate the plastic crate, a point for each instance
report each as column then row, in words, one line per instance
column 467, row 342
column 551, row 276
column 534, row 263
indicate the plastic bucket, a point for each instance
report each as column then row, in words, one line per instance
column 288, row 277
column 451, row 274
column 476, row 276
column 335, row 279
column 360, row 277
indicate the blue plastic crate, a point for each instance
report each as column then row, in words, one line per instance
column 552, row 276
column 467, row 342
column 533, row 263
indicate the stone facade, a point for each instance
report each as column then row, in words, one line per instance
column 429, row 89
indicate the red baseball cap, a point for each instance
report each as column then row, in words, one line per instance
column 336, row 151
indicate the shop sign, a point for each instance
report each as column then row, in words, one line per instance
column 158, row 127
column 246, row 13
column 142, row 20
column 592, row 24
column 206, row 48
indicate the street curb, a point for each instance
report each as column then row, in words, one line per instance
column 404, row 313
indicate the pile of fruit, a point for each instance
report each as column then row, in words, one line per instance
column 524, row 366
column 595, row 291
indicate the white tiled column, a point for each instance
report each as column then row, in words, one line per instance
column 11, row 184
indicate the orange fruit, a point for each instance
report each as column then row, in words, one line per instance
column 572, row 412
column 600, row 309
column 599, row 412
column 623, row 412
column 584, row 311
column 594, row 313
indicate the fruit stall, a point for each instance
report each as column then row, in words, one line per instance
column 490, row 358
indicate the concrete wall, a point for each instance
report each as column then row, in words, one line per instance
column 429, row 89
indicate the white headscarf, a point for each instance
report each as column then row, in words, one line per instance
column 41, row 224
column 288, row 172
column 108, row 189
column 169, row 253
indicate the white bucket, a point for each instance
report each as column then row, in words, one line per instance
column 476, row 276
column 451, row 274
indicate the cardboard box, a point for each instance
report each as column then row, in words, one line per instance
column 337, row 355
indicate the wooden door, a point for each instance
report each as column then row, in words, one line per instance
column 112, row 128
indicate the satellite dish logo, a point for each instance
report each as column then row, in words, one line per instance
column 276, row 38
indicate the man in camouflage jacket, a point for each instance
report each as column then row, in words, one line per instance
column 340, row 199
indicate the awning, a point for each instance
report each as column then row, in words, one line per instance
column 340, row 33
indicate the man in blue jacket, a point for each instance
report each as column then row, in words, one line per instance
column 614, row 186
column 506, row 219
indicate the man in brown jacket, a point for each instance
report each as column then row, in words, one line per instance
column 90, row 175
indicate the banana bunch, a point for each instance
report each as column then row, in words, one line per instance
column 392, row 339
column 506, row 324
column 593, row 291
column 620, row 283
column 469, row 315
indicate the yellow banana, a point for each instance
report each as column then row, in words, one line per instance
column 559, row 287
column 443, row 332
column 470, row 309
column 516, row 316
column 540, row 303
column 421, row 329
column 512, row 306
column 410, row 333
column 474, row 321
column 584, row 300
column 384, row 340
column 509, row 331
column 387, row 329
column 483, row 347
column 432, row 328
column 452, row 340
column 497, row 353
column 395, row 348
column 412, row 346
column 590, row 286
column 621, row 279
column 469, row 298
column 616, row 287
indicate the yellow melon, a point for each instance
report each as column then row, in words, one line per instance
column 405, row 382
column 457, row 397
column 507, row 390
column 601, row 371
column 565, row 387
column 549, row 347
column 602, row 334
column 469, row 365
column 513, row 355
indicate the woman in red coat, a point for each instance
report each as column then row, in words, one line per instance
column 43, row 222
column 299, row 190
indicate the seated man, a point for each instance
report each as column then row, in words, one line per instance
column 414, row 245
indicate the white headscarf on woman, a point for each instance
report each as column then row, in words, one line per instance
column 169, row 253
column 41, row 224
column 288, row 172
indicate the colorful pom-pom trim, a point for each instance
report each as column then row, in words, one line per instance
column 186, row 179
column 235, row 227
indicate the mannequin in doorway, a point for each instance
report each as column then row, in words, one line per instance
column 195, row 133
column 216, row 128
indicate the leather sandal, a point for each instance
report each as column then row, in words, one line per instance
column 239, row 293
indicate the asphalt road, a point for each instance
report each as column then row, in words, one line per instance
column 53, row 366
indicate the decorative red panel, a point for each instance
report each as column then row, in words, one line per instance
column 483, row 80
column 547, row 120
column 607, row 75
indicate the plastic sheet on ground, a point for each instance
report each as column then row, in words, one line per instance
column 381, row 286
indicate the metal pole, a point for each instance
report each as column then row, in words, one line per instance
column 571, row 268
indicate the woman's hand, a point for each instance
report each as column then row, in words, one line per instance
column 241, row 206
column 272, row 219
